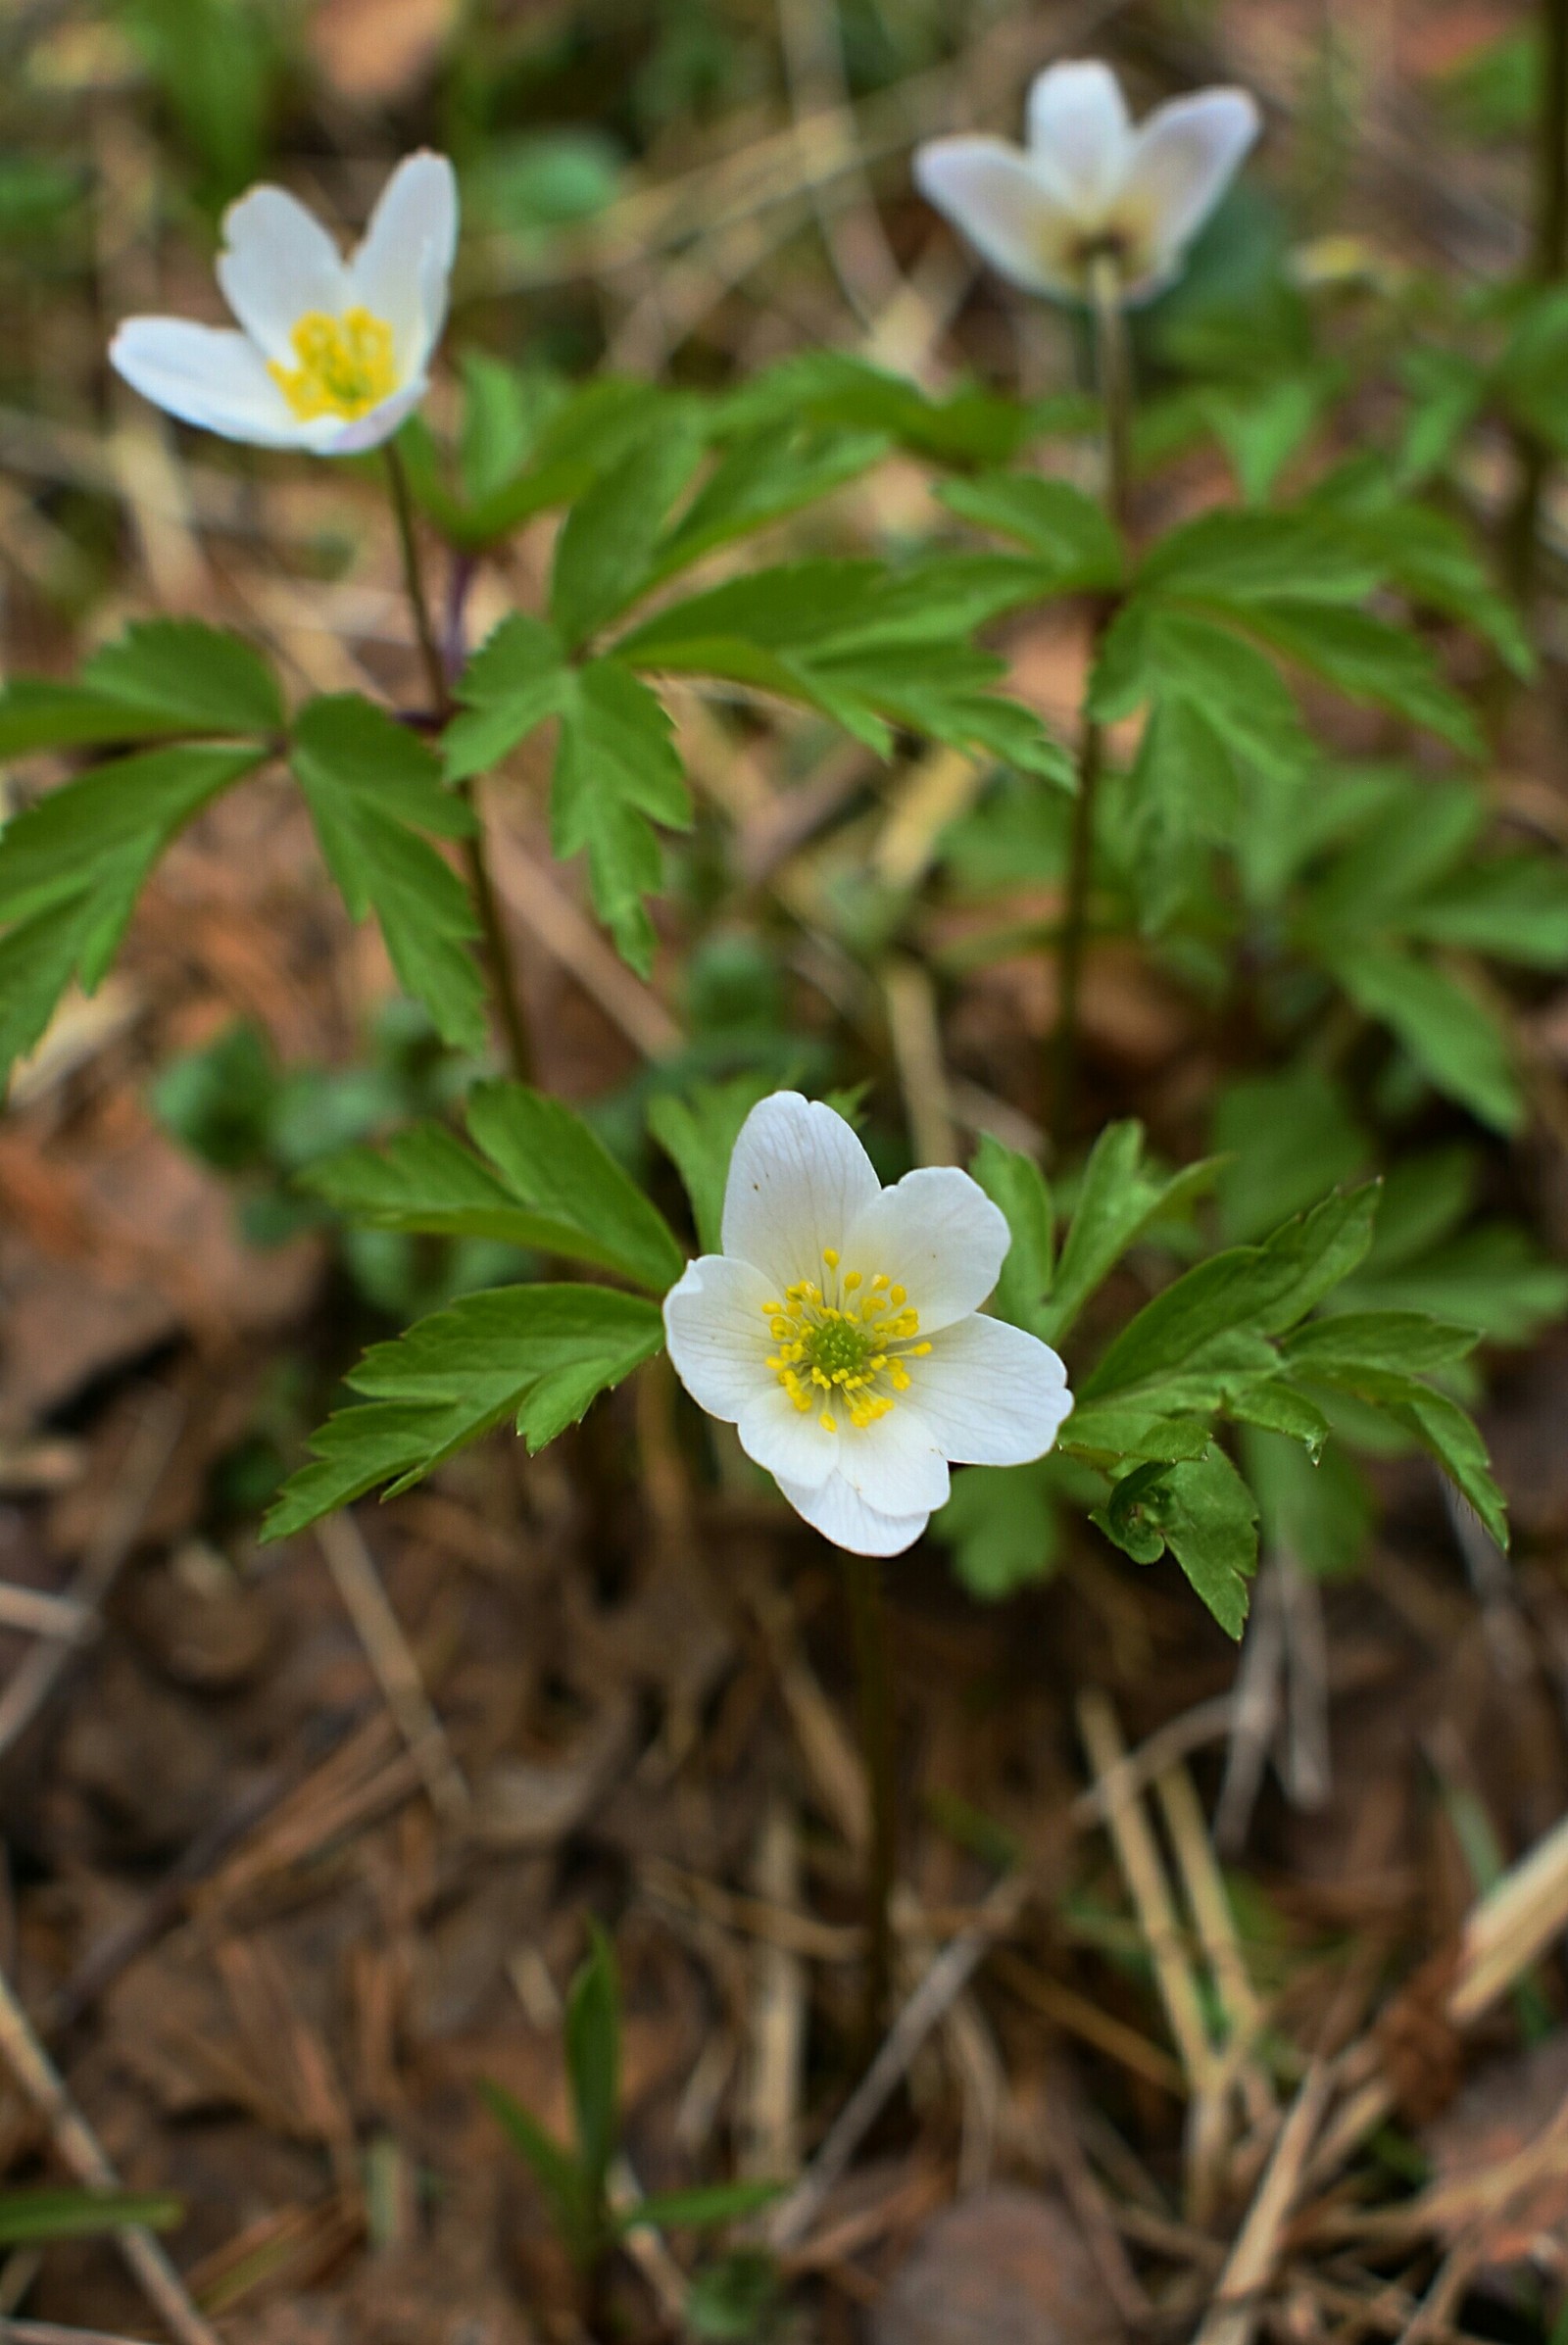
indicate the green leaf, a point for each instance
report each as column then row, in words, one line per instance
column 1208, row 1517
column 593, row 2059
column 761, row 477
column 1437, row 1422
column 616, row 774
column 1076, row 543
column 1256, row 1290
column 701, row 2207
column 1286, row 1138
column 515, row 681
column 605, row 555
column 1513, row 907
column 1405, row 1342
column 554, row 2168
column 832, row 386
column 1235, row 558
column 1451, row 1035
column 539, row 1355
column 1117, row 1200
column 550, row 1159
column 73, row 865
column 1276, row 1406
column 1167, row 655
column 698, row 1130
column 202, row 679
column 550, row 1186
column 1109, row 1432
column 33, row 2217
column 373, row 788
column 1015, row 1184
column 1406, row 846
column 1002, row 1528
column 1369, row 661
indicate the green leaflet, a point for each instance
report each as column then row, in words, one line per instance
column 1452, row 1035
column 73, row 865
column 698, row 1130
column 1205, row 1514
column 161, row 678
column 374, row 790
column 537, row 1355
column 1117, row 1200
column 605, row 556
column 1076, row 544
column 549, row 1184
column 1015, row 1184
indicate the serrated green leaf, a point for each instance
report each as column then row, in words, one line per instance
column 374, row 789
column 73, row 865
column 1016, row 1186
column 537, row 1353
column 832, row 386
column 550, row 1159
column 1076, row 543
column 1110, row 1432
column 1276, row 1406
column 616, row 774
column 1369, row 661
column 760, row 478
column 1117, row 1200
column 1286, row 1138
column 1407, row 1343
column 1513, row 907
column 516, row 679
column 698, row 1130
column 1437, row 1422
column 202, row 678
column 1208, row 1517
column 1235, row 558
column 1451, row 1035
column 605, row 555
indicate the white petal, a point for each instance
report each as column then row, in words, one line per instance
column 401, row 270
column 937, row 1235
column 842, row 1515
column 206, row 375
column 336, row 435
column 797, row 1179
column 896, row 1464
column 999, row 197
column 718, row 1339
column 992, row 1395
column 786, row 1440
column 1078, row 126
column 278, row 265
column 1184, row 158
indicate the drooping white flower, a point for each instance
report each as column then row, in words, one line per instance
column 332, row 355
column 840, row 1330
column 1088, row 185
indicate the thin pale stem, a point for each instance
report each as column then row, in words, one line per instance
column 1548, row 262
column 499, row 964
column 1113, row 372
column 865, row 1578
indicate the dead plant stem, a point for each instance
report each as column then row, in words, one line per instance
column 865, row 1580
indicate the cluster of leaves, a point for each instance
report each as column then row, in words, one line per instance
column 575, row 2180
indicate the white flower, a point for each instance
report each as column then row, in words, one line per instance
column 1089, row 186
column 334, row 355
column 840, row 1330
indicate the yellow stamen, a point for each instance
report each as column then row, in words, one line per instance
column 830, row 1255
column 346, row 364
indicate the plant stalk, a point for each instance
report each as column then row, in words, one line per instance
column 1548, row 262
column 1114, row 374
column 865, row 1578
column 498, row 959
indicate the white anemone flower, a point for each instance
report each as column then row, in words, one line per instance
column 330, row 354
column 1088, row 187
column 840, row 1331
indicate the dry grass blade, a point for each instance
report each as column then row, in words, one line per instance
column 396, row 1673
column 1232, row 2315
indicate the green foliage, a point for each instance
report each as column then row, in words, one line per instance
column 576, row 2181
column 698, row 1130
column 33, row 2217
column 543, row 1181
column 374, row 792
column 535, row 1355
column 161, row 677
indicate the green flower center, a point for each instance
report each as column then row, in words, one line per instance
column 847, row 1345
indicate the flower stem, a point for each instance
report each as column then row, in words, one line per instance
column 497, row 947
column 863, row 1574
column 1548, row 261
column 1113, row 372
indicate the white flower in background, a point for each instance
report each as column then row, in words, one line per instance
column 334, row 355
column 840, row 1330
column 1088, row 186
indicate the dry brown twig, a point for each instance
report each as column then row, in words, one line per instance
column 396, row 1673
